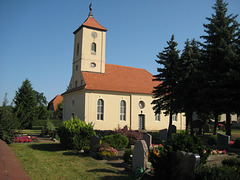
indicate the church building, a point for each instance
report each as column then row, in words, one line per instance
column 106, row 95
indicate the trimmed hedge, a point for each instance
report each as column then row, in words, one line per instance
column 116, row 141
column 56, row 122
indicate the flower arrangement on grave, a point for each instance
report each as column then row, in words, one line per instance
column 105, row 150
column 216, row 152
column 25, row 139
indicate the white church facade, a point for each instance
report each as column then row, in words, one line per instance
column 106, row 95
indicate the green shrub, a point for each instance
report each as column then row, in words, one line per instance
column 128, row 156
column 48, row 126
column 133, row 136
column 237, row 143
column 217, row 173
column 231, row 162
column 212, row 140
column 116, row 141
column 75, row 134
column 184, row 142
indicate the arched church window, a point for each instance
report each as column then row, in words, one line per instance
column 94, row 46
column 100, row 109
column 123, row 110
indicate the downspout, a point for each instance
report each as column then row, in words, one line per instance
column 130, row 111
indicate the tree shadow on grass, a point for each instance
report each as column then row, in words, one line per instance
column 48, row 147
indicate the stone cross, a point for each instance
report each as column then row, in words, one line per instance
column 140, row 156
column 148, row 139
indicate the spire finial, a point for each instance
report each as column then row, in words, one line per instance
column 90, row 10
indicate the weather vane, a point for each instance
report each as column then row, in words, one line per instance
column 90, row 10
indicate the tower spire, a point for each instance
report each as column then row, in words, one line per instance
column 90, row 10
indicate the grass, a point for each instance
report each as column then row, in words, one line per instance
column 52, row 161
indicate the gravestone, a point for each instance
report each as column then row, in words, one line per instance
column 206, row 128
column 172, row 130
column 197, row 126
column 163, row 135
column 184, row 165
column 148, row 139
column 140, row 156
column 94, row 145
column 223, row 141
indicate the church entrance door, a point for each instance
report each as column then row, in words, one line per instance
column 141, row 122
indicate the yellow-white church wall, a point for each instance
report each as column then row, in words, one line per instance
column 111, row 118
column 87, row 56
column 73, row 103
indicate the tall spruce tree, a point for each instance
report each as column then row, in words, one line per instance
column 164, row 93
column 187, row 86
column 219, row 63
column 25, row 105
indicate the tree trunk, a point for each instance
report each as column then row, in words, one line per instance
column 190, row 121
column 215, row 124
column 187, row 121
column 170, row 123
column 228, row 124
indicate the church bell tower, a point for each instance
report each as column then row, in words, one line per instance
column 89, row 49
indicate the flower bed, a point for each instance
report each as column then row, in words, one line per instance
column 216, row 152
column 25, row 139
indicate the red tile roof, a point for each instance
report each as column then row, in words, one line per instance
column 55, row 101
column 92, row 23
column 120, row 79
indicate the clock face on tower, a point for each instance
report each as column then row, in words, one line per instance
column 94, row 34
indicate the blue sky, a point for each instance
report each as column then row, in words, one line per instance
column 36, row 39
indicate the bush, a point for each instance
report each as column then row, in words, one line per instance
column 116, row 141
column 212, row 140
column 48, row 126
column 184, row 142
column 75, row 134
column 105, row 150
column 217, row 173
column 237, row 143
column 133, row 136
column 128, row 156
column 231, row 162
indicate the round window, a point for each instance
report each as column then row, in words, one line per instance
column 93, row 65
column 141, row 104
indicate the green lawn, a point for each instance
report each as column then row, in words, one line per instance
column 51, row 161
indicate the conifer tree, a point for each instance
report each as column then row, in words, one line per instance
column 164, row 93
column 8, row 122
column 25, row 105
column 220, row 62
column 187, row 86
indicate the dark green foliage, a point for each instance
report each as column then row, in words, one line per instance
column 128, row 156
column 184, row 142
column 8, row 122
column 117, row 141
column 212, row 140
column 25, row 105
column 217, row 173
column 237, row 143
column 59, row 111
column 56, row 122
column 48, row 126
column 165, row 92
column 220, row 64
column 42, row 111
column 133, row 136
column 75, row 134
column 231, row 162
